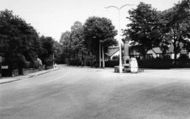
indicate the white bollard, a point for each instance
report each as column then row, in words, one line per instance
column 133, row 65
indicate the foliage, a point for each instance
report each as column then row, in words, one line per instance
column 151, row 28
column 144, row 28
column 74, row 49
column 21, row 45
column 77, row 40
column 18, row 39
column 155, row 63
column 64, row 40
column 178, row 25
column 98, row 29
column 58, row 50
column 47, row 50
column 112, row 63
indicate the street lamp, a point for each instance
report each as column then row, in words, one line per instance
column 119, row 32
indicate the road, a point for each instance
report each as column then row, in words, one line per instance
column 86, row 93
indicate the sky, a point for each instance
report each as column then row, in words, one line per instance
column 53, row 17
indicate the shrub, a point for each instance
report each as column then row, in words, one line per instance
column 182, row 63
column 155, row 63
column 112, row 63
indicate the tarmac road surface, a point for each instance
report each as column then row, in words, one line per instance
column 86, row 93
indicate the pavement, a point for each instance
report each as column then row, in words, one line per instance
column 30, row 75
column 93, row 93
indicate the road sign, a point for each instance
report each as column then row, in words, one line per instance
column 5, row 67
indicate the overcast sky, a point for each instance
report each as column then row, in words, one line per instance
column 53, row 17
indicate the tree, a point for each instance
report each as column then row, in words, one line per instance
column 145, row 27
column 66, row 43
column 99, row 30
column 177, row 20
column 57, row 51
column 74, row 49
column 78, row 46
column 65, row 38
column 47, row 50
column 76, row 38
column 20, row 40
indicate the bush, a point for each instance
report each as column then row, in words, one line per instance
column 48, row 63
column 155, row 63
column 112, row 63
column 182, row 63
column 74, row 62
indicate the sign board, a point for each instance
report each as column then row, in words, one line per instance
column 5, row 67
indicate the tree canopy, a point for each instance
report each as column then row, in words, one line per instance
column 20, row 43
column 96, row 30
column 74, row 49
column 19, row 39
column 177, row 28
column 152, row 28
column 144, row 28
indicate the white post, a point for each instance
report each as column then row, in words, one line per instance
column 120, row 49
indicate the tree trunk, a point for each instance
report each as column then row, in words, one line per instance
column 103, row 61
column 82, row 59
column 20, row 71
column 100, row 55
column 20, row 68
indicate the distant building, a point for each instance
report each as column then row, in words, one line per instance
column 112, row 52
column 134, row 51
column 154, row 52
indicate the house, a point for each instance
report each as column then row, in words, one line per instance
column 154, row 52
column 134, row 51
column 112, row 52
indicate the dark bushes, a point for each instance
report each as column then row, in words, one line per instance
column 112, row 63
column 155, row 63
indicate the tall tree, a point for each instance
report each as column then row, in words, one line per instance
column 58, row 50
column 144, row 28
column 47, row 50
column 65, row 37
column 73, row 44
column 77, row 38
column 99, row 30
column 177, row 21
column 65, row 41
column 20, row 40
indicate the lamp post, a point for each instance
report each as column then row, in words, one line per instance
column 119, row 32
